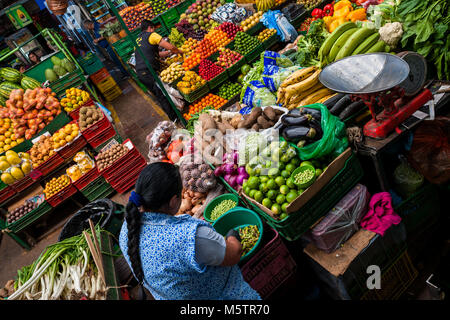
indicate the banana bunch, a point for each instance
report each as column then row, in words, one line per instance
column 348, row 40
column 264, row 5
column 302, row 88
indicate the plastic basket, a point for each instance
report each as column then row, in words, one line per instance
column 46, row 167
column 236, row 68
column 212, row 204
column 70, row 80
column 130, row 180
column 273, row 39
column 297, row 223
column 170, row 17
column 23, row 184
column 69, row 150
column 197, row 94
column 86, row 178
column 395, row 281
column 103, row 137
column 254, row 54
column 124, row 172
column 99, row 75
column 271, row 265
column 6, row 193
column 30, row 217
column 90, row 64
column 182, row 7
column 218, row 80
column 112, row 93
column 117, row 138
column 97, row 189
column 106, row 84
column 61, row 196
column 97, row 128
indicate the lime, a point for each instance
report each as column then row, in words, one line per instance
column 249, row 170
column 304, row 163
column 291, row 196
column 295, row 161
column 251, row 193
column 285, row 174
column 245, row 184
column 280, row 181
column 281, row 166
column 267, row 203
column 276, row 208
column 258, row 196
column 300, row 191
column 318, row 172
column 253, row 182
column 276, row 153
column 290, row 167
column 246, row 190
column 263, row 187
column 284, row 206
column 268, row 164
column 283, row 215
column 284, row 189
column 257, row 170
column 272, row 194
column 284, row 144
column 285, row 158
column 273, row 172
column 272, row 184
column 290, row 183
column 280, row 199
column 264, row 179
column 325, row 168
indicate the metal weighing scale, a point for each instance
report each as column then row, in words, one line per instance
column 386, row 82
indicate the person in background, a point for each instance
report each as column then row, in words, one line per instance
column 178, row 257
column 33, row 57
column 100, row 41
column 149, row 42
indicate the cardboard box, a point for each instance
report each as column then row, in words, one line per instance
column 333, row 168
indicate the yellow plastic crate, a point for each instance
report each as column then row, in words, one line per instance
column 106, row 84
column 112, row 93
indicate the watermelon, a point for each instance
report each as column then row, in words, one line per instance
column 55, row 60
column 59, row 70
column 11, row 74
column 6, row 87
column 50, row 75
column 68, row 65
column 29, row 83
column 2, row 101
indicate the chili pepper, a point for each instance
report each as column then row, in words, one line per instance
column 317, row 13
column 328, row 10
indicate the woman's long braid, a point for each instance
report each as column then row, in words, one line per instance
column 133, row 219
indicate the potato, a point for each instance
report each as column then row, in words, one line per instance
column 263, row 123
column 269, row 112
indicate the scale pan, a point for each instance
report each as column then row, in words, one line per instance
column 365, row 73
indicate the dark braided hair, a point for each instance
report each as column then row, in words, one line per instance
column 156, row 185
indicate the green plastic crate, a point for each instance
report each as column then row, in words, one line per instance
column 273, row 39
column 182, row 7
column 297, row 223
column 38, row 71
column 254, row 54
column 31, row 217
column 218, row 80
column 60, row 121
column 97, row 189
column 230, row 45
column 21, row 147
column 90, row 63
column 197, row 94
column 255, row 29
column 236, row 68
column 170, row 17
column 70, row 80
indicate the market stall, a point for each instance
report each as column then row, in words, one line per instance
column 279, row 118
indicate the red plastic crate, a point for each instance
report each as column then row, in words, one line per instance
column 103, row 137
column 6, row 193
column 270, row 266
column 48, row 166
column 75, row 114
column 129, row 181
column 64, row 194
column 22, row 184
column 99, row 75
column 97, row 128
column 87, row 178
column 129, row 170
column 69, row 150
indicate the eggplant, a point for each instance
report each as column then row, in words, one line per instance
column 340, row 105
column 294, row 112
column 351, row 109
column 314, row 123
column 299, row 132
column 331, row 102
column 295, row 121
column 312, row 112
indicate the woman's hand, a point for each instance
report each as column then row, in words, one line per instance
column 233, row 251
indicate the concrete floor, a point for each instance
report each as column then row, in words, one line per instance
column 135, row 115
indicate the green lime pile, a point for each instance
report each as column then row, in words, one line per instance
column 270, row 182
column 229, row 90
column 245, row 43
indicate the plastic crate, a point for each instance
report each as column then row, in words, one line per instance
column 273, row 39
column 58, row 122
column 127, row 183
column 197, row 94
column 30, row 217
column 255, row 29
column 254, row 54
column 170, row 17
column 69, row 150
column 126, row 171
column 61, row 196
column 395, row 281
column 86, row 178
column 97, row 189
column 112, row 93
column 271, row 265
column 182, row 7
column 103, row 137
column 48, row 166
column 297, row 223
column 23, row 184
column 90, row 63
column 21, row 147
column 218, row 80
column 97, row 128
column 6, row 193
column 132, row 154
column 93, row 185
column 106, row 84
column 75, row 114
column 99, row 75
column 236, row 67
column 117, row 137
column 70, row 80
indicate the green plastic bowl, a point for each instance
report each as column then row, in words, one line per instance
column 212, row 204
column 301, row 169
column 236, row 218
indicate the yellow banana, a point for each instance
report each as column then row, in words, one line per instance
column 305, row 84
column 302, row 95
column 313, row 98
column 326, row 98
column 297, row 76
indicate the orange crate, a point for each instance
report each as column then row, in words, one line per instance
column 100, row 75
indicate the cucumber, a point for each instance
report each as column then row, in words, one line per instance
column 340, row 43
column 367, row 44
column 380, row 46
column 353, row 42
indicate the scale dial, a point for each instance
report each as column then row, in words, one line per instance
column 415, row 81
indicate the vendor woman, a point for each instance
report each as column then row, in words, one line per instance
column 178, row 257
column 149, row 42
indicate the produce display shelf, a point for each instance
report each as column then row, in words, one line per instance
column 182, row 7
column 231, row 101
column 236, row 67
column 30, row 217
column 170, row 17
column 23, row 184
column 197, row 94
column 47, row 167
column 62, row 195
column 86, row 178
column 21, row 147
column 255, row 29
column 218, row 80
column 273, row 39
column 254, row 54
column 271, row 265
column 117, row 138
column 6, row 193
column 69, row 150
column 297, row 223
column 58, row 122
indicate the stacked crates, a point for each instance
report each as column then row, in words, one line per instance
column 106, row 84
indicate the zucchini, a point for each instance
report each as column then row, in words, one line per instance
column 340, row 105
column 351, row 109
column 330, row 102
